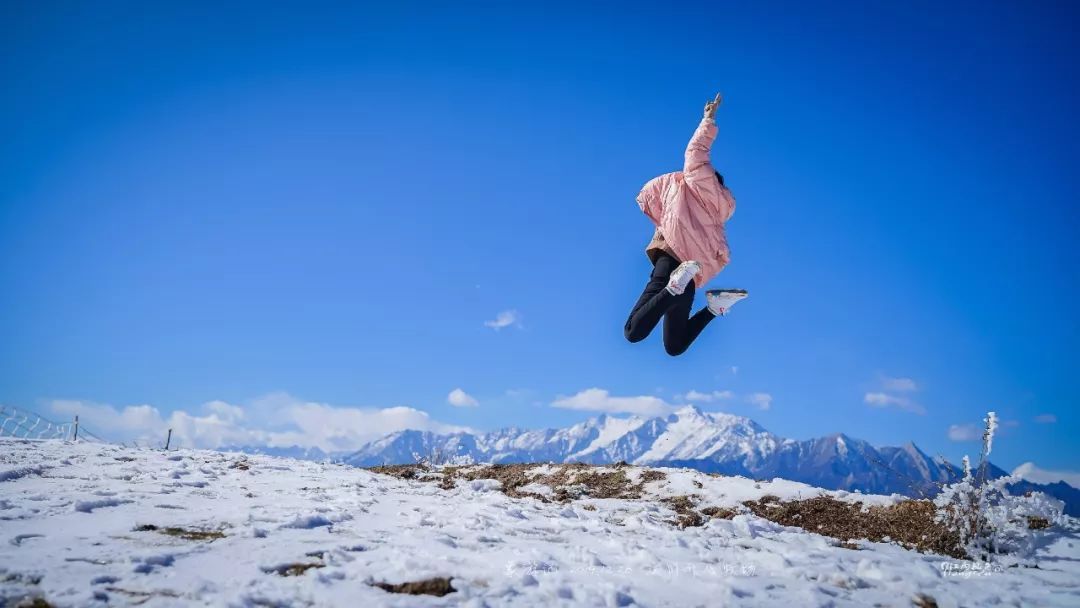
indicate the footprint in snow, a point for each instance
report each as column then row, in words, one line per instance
column 308, row 522
column 151, row 562
column 18, row 540
column 88, row 506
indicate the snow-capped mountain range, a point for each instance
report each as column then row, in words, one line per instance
column 707, row 441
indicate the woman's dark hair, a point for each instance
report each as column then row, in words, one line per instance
column 719, row 177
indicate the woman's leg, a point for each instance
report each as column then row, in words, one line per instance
column 654, row 301
column 680, row 329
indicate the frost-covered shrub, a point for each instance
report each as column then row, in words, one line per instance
column 438, row 457
column 989, row 519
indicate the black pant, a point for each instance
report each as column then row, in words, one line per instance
column 680, row 329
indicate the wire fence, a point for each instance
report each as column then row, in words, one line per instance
column 25, row 424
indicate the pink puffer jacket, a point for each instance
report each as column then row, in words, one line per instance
column 690, row 207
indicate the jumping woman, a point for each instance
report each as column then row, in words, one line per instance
column 688, row 248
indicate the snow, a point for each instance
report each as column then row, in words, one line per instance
column 610, row 431
column 693, row 434
column 69, row 530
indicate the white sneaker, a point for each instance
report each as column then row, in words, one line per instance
column 681, row 277
column 721, row 300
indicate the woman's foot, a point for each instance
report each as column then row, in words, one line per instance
column 681, row 277
column 721, row 300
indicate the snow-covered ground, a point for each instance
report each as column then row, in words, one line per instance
column 70, row 519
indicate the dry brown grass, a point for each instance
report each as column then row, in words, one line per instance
column 438, row 586
column 184, row 533
column 401, row 471
column 685, row 515
column 568, row 482
column 293, row 569
column 719, row 512
column 910, row 523
column 1037, row 523
column 652, row 475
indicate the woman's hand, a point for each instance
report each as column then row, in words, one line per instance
column 710, row 107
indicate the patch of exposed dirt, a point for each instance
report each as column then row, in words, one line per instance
column 686, row 516
column 568, row 482
column 438, row 586
column 719, row 512
column 910, row 523
column 294, row 569
column 511, row 478
column 401, row 471
column 571, row 482
column 184, row 533
column 652, row 475
column 1038, row 523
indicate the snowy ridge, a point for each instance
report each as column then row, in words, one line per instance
column 688, row 434
column 707, row 441
column 96, row 525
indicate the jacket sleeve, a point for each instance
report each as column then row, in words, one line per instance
column 651, row 201
column 697, row 166
column 699, row 173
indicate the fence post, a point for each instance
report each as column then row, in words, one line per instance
column 76, row 437
column 167, row 440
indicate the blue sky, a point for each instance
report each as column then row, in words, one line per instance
column 330, row 204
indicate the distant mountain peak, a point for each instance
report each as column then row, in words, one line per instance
column 687, row 437
column 689, row 410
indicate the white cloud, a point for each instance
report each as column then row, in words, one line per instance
column 459, row 398
column 1034, row 474
column 734, row 370
column 899, row 385
column 98, row 418
column 276, row 420
column 762, row 400
column 965, row 432
column 1046, row 419
column 887, row 397
column 599, row 400
column 225, row 411
column 884, row 400
column 708, row 397
column 505, row 318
